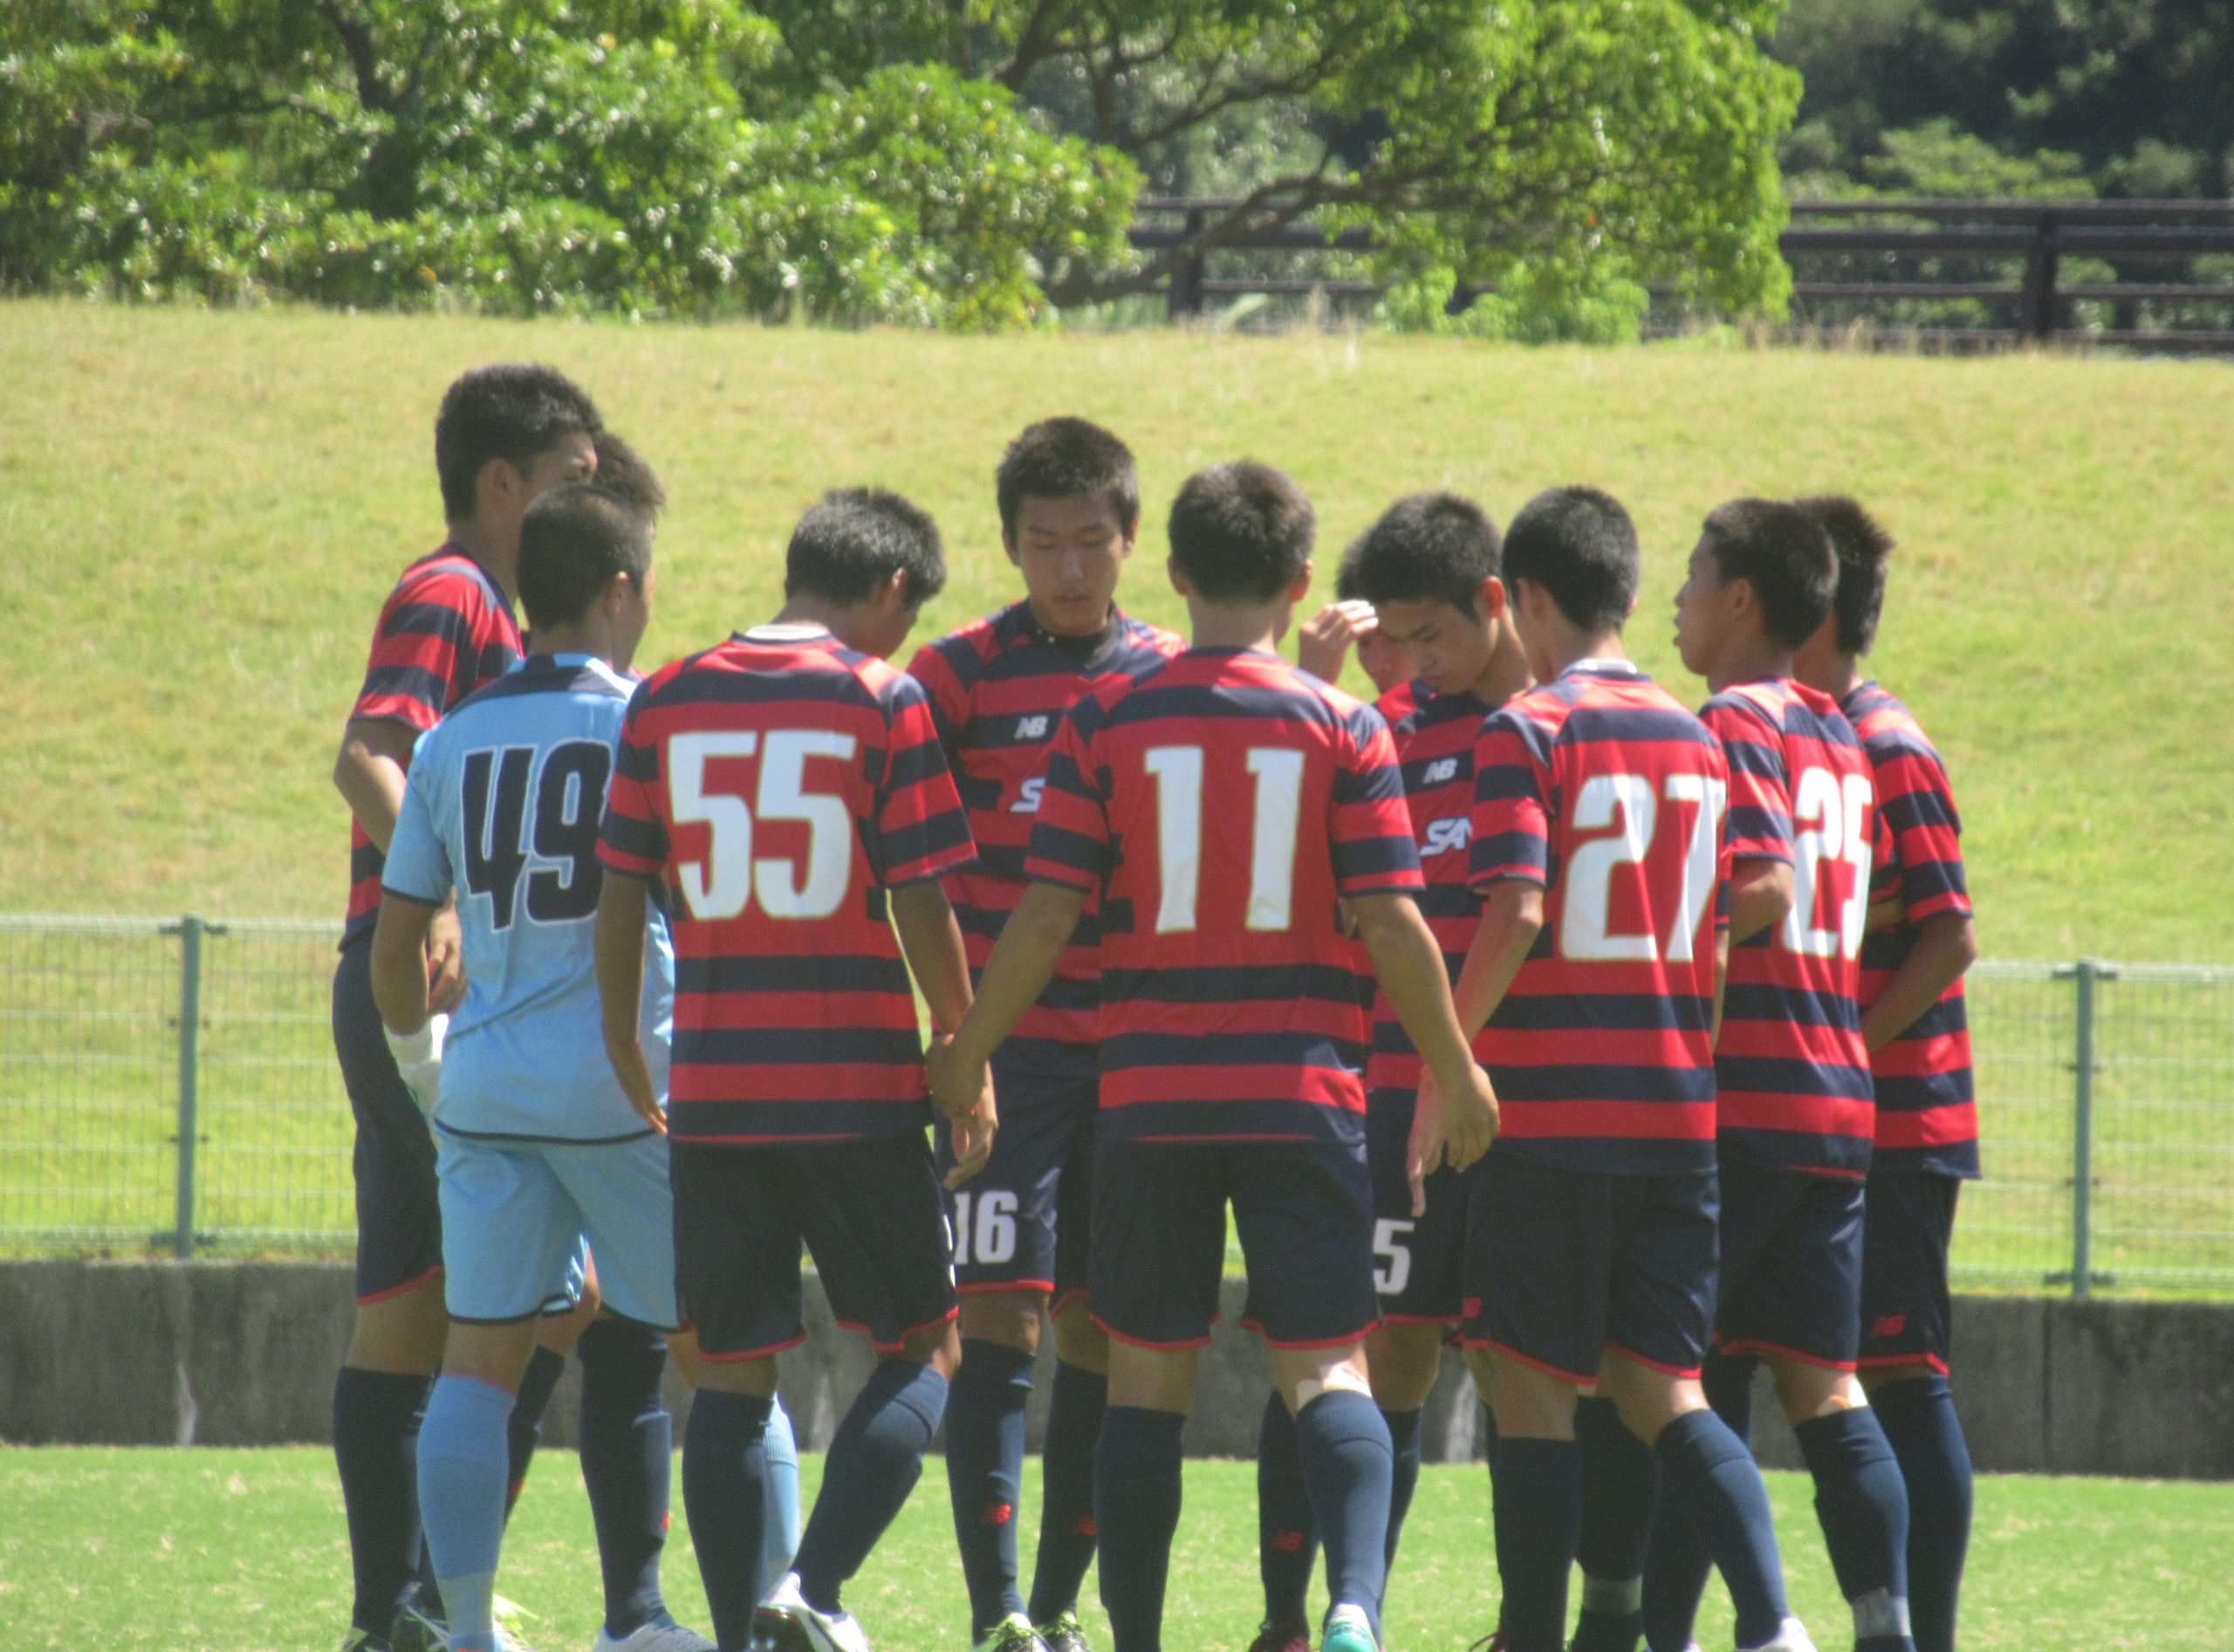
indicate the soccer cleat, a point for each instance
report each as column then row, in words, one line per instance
column 416, row 1629
column 784, row 1622
column 1012, row 1634
column 662, row 1634
column 1791, row 1636
column 1347, row 1630
column 1282, row 1637
column 1066, row 1633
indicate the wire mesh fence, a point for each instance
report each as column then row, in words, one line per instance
column 2106, row 1099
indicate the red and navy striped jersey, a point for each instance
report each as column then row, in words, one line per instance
column 999, row 687
column 444, row 631
column 1606, row 792
column 1434, row 745
column 1404, row 699
column 779, row 784
column 1794, row 1074
column 1927, row 1118
column 1221, row 805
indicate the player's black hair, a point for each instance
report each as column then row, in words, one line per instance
column 1068, row 458
column 1784, row 552
column 512, row 411
column 623, row 470
column 1241, row 532
column 1862, row 547
column 573, row 539
column 1579, row 544
column 856, row 539
column 1428, row 547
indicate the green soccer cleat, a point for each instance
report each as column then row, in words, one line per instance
column 1347, row 1630
column 1066, row 1633
column 1012, row 1634
column 1282, row 1637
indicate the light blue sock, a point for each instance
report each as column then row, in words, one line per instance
column 780, row 1535
column 465, row 1461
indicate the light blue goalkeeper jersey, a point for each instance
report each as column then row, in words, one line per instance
column 503, row 807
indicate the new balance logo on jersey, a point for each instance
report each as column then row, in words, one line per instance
column 1441, row 770
column 1447, row 837
column 1033, row 728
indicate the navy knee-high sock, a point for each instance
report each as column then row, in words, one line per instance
column 984, row 1469
column 1709, row 1484
column 1918, row 1417
column 1620, row 1489
column 376, row 1416
column 725, row 1493
column 524, row 1431
column 1288, row 1536
column 1537, row 1520
column 1677, row 1561
column 875, row 1459
column 1136, row 1487
column 1863, row 1507
column 1076, row 1400
column 627, row 1451
column 1404, row 1441
column 1348, row 1465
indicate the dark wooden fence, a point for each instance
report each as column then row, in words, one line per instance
column 2155, row 275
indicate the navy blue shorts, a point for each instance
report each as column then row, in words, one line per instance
column 1420, row 1262
column 1566, row 1266
column 1022, row 1223
column 1302, row 1210
column 399, row 1207
column 871, row 1214
column 1906, row 1316
column 1791, row 1265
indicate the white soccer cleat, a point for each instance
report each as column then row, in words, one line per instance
column 784, row 1622
column 1791, row 1636
column 663, row 1634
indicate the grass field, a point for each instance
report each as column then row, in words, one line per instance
column 218, row 1550
column 208, row 507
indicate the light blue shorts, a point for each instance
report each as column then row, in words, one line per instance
column 520, row 1218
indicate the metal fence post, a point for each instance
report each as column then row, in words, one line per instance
column 189, row 930
column 2039, row 293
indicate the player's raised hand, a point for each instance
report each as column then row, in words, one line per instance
column 1323, row 640
column 445, row 963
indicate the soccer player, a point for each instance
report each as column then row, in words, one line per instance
column 786, row 792
column 1429, row 568
column 1231, row 1031
column 504, row 434
column 1590, row 985
column 539, row 1153
column 1919, row 1039
column 1796, row 1113
column 1323, row 642
column 1070, row 508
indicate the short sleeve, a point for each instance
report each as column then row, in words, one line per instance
column 949, row 699
column 1920, row 834
column 920, row 828
column 418, row 865
column 1069, row 838
column 1370, row 840
column 431, row 624
column 1512, row 803
column 1760, row 784
column 632, row 838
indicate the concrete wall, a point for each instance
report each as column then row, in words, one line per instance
column 161, row 1354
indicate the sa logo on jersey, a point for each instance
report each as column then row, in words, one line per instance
column 1448, row 837
column 1033, row 728
column 1441, row 770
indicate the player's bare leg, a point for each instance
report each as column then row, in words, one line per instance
column 984, row 1455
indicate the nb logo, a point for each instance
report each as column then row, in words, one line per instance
column 1446, row 837
column 1034, row 727
column 1441, row 770
column 1889, row 1325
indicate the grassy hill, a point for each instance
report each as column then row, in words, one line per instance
column 202, row 512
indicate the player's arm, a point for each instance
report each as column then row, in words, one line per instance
column 1323, row 640
column 1513, row 917
column 1721, row 984
column 1022, row 962
column 932, row 941
column 1760, row 895
column 622, row 905
column 369, row 771
column 1944, row 947
column 399, row 961
column 1409, row 966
